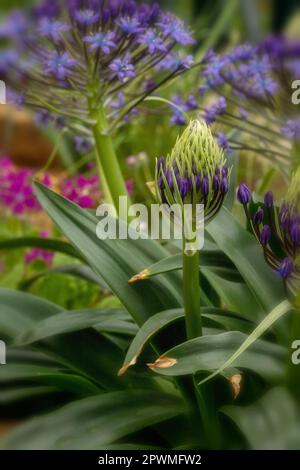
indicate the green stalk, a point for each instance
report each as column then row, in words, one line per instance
column 191, row 294
column 202, row 397
column 109, row 169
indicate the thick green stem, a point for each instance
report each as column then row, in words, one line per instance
column 191, row 295
column 203, row 396
column 110, row 172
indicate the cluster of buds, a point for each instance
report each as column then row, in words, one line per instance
column 195, row 171
column 277, row 229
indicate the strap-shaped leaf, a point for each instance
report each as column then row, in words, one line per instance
column 105, row 320
column 208, row 353
column 214, row 258
column 115, row 260
column 45, row 243
column 271, row 423
column 162, row 320
column 80, row 350
column 94, row 423
column 280, row 310
column 48, row 376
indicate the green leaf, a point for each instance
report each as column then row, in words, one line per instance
column 271, row 318
column 164, row 319
column 48, row 376
column 45, row 243
column 213, row 258
column 208, row 353
column 236, row 296
column 241, row 247
column 17, row 393
column 146, row 332
column 272, row 423
column 105, row 320
column 18, row 312
column 80, row 350
column 96, row 422
column 115, row 260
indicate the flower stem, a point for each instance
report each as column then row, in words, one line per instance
column 191, row 295
column 112, row 179
column 203, row 397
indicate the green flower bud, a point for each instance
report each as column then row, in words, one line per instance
column 195, row 171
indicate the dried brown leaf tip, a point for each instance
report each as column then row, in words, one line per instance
column 235, row 381
column 124, row 369
column 163, row 362
column 139, row 277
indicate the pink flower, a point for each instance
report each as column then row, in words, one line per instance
column 82, row 190
column 39, row 253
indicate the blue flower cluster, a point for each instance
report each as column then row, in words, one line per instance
column 65, row 53
column 253, row 89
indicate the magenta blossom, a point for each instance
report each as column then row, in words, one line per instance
column 82, row 190
column 16, row 191
column 38, row 254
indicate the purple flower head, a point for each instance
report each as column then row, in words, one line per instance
column 152, row 41
column 86, row 17
column 175, row 28
column 103, row 41
column 243, row 194
column 60, row 65
column 121, row 39
column 124, row 68
column 52, row 29
column 130, row 25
